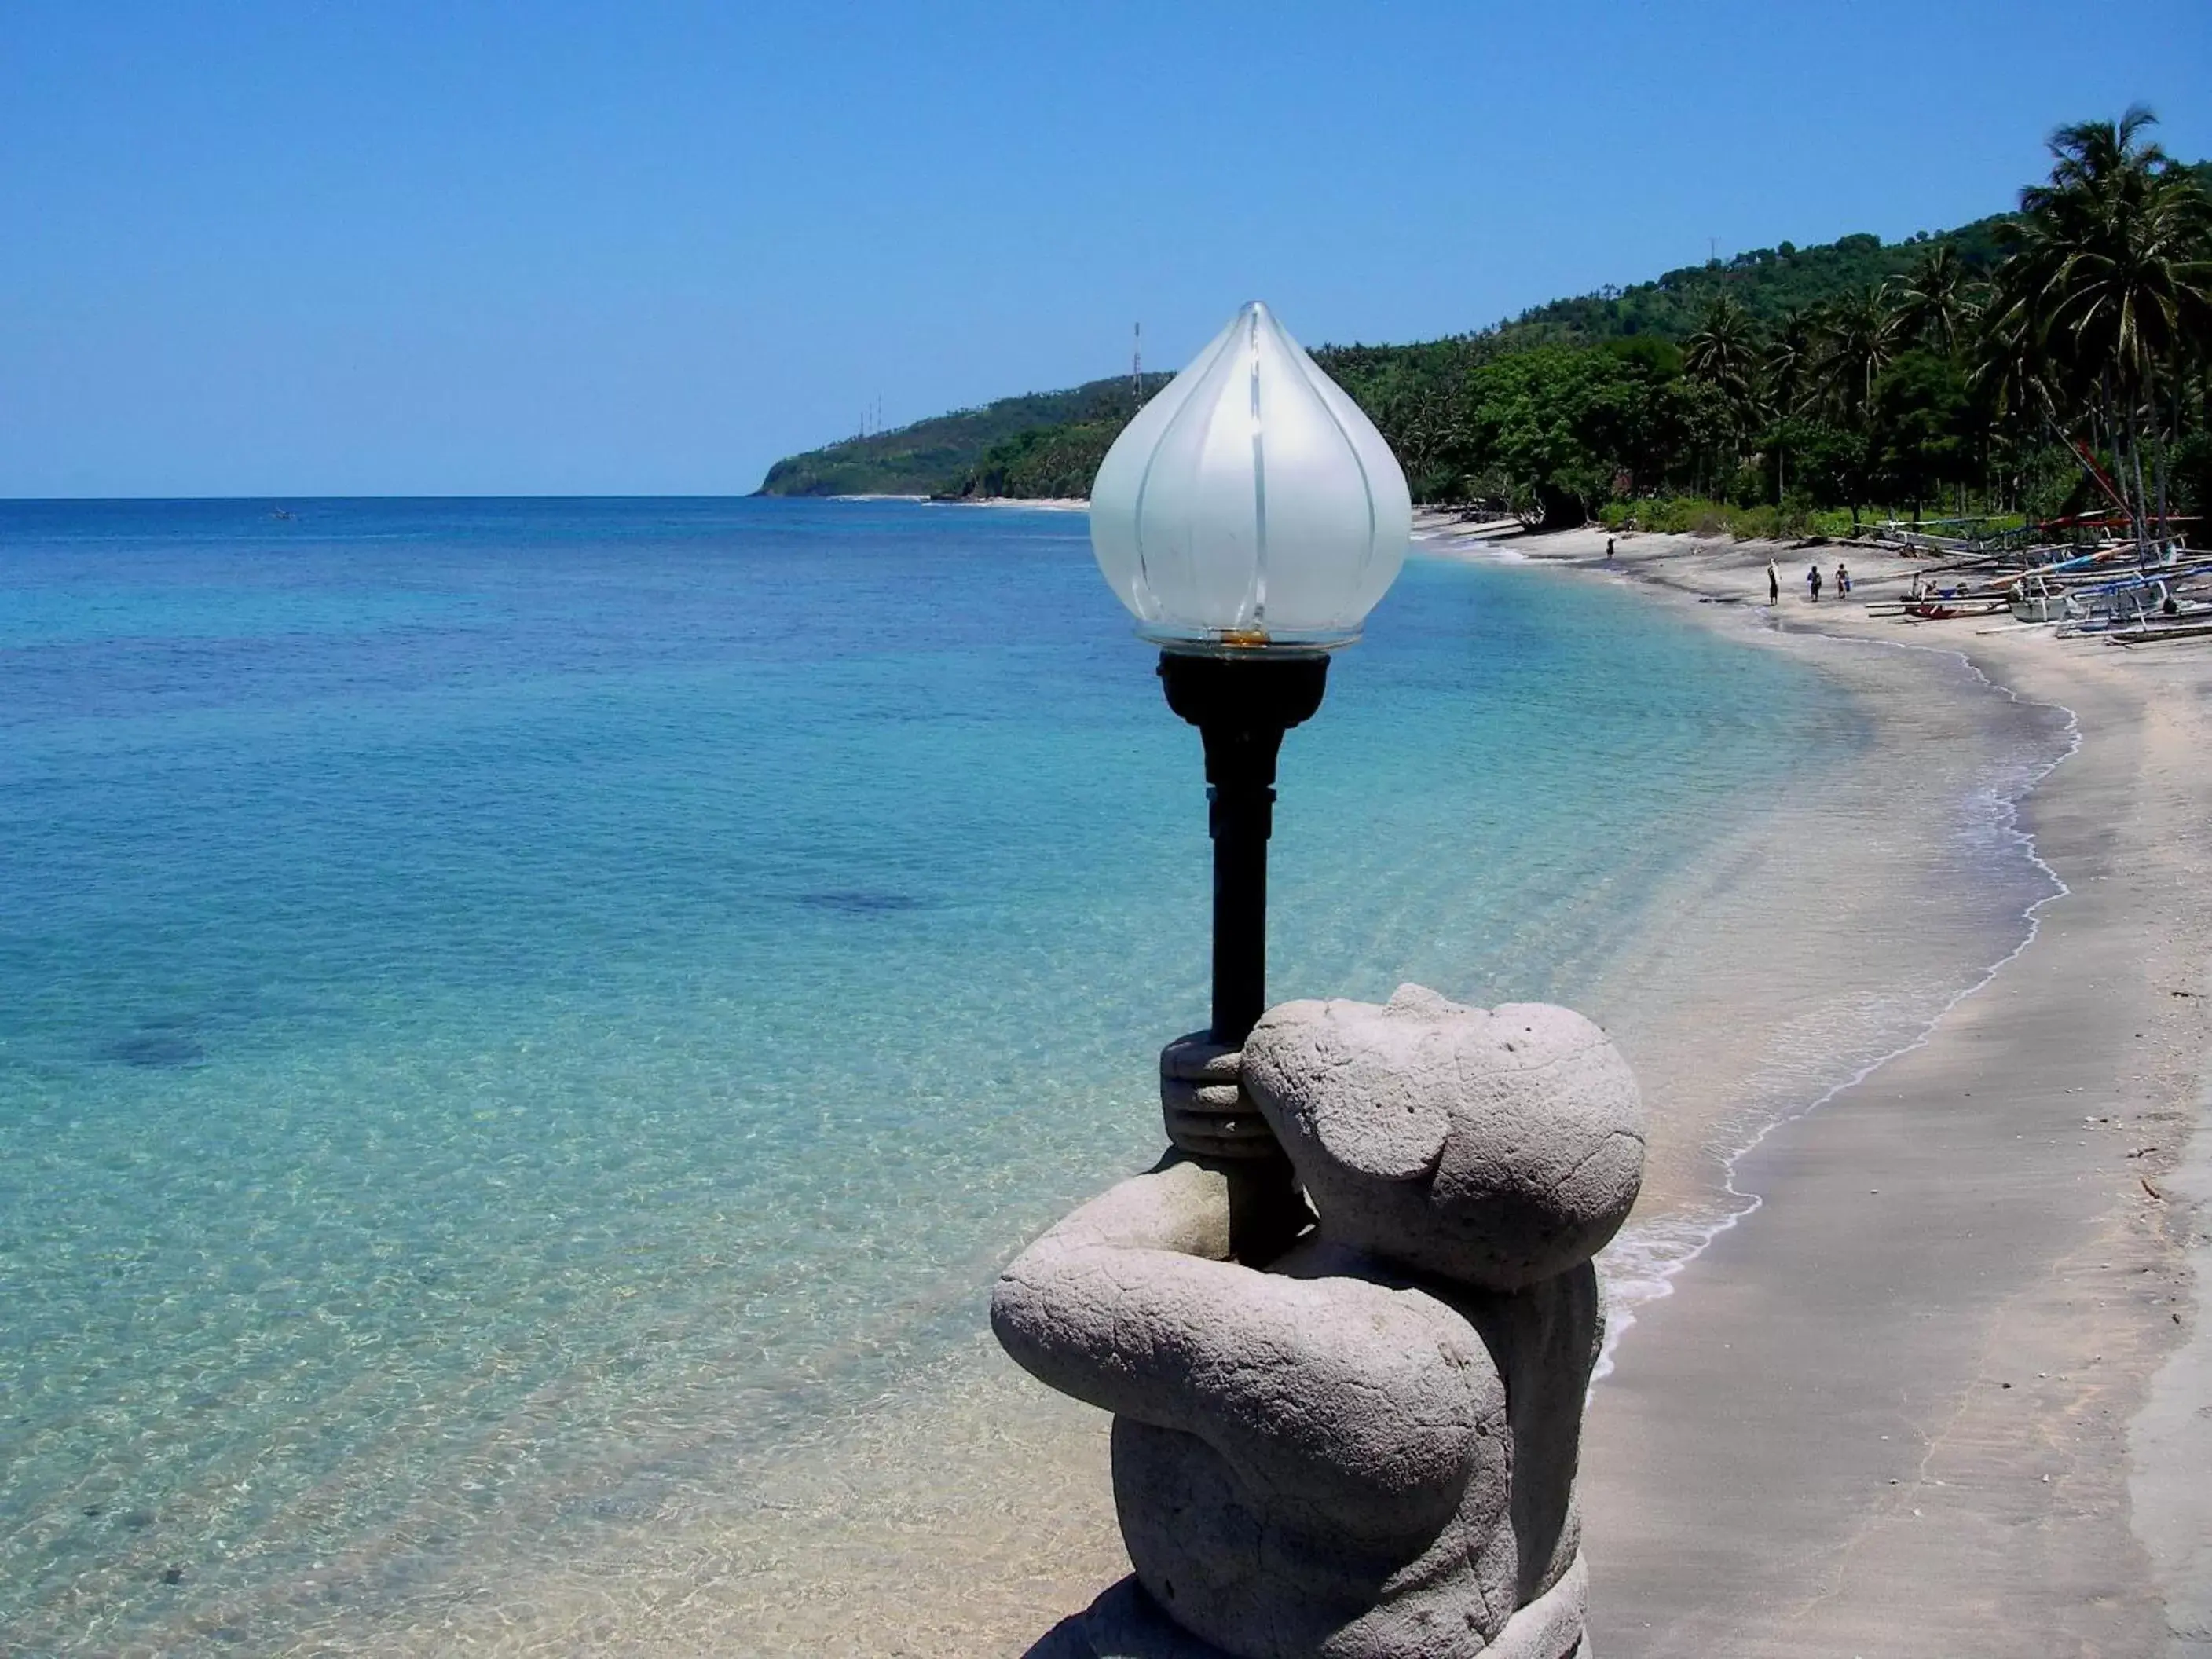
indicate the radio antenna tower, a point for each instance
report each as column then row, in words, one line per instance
column 1137, row 368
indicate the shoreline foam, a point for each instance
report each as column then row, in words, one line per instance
column 1642, row 1266
column 1681, row 1239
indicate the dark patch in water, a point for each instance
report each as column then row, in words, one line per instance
column 608, row 1507
column 862, row 904
column 155, row 1049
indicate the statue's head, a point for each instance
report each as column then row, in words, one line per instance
column 1494, row 1147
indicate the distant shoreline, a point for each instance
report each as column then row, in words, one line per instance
column 1035, row 503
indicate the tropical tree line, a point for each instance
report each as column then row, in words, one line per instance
column 2052, row 361
column 2063, row 364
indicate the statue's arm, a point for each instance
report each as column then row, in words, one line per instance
column 1372, row 1404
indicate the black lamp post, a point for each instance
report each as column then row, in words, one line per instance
column 1242, row 709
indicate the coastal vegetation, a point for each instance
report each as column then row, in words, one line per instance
column 945, row 450
column 2054, row 361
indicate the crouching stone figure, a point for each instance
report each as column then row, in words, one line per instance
column 1355, row 1439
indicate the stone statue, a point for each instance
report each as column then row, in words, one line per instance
column 1351, row 1432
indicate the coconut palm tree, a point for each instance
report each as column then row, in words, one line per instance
column 1859, row 335
column 1935, row 303
column 2005, row 372
column 1724, row 353
column 1791, row 355
column 1724, row 350
column 1785, row 379
column 2108, row 287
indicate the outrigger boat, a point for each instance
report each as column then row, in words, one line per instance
column 2083, row 598
column 2136, row 584
column 2113, row 583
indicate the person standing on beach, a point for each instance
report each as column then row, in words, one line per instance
column 1609, row 547
column 1813, row 582
column 1773, row 584
column 1842, row 581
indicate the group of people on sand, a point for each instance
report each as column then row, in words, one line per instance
column 1812, row 582
column 1813, row 579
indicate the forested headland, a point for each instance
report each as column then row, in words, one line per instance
column 944, row 452
column 1993, row 370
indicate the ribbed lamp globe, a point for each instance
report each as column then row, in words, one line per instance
column 1250, row 506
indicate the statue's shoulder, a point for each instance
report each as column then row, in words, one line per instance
column 1453, row 1316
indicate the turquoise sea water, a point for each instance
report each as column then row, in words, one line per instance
column 501, row 999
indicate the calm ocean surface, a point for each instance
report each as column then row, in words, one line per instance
column 501, row 998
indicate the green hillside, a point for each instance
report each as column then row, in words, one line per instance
column 1769, row 282
column 941, row 452
column 1050, row 443
column 1784, row 378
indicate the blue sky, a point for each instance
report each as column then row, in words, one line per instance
column 316, row 247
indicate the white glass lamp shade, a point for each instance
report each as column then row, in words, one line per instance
column 1250, row 506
